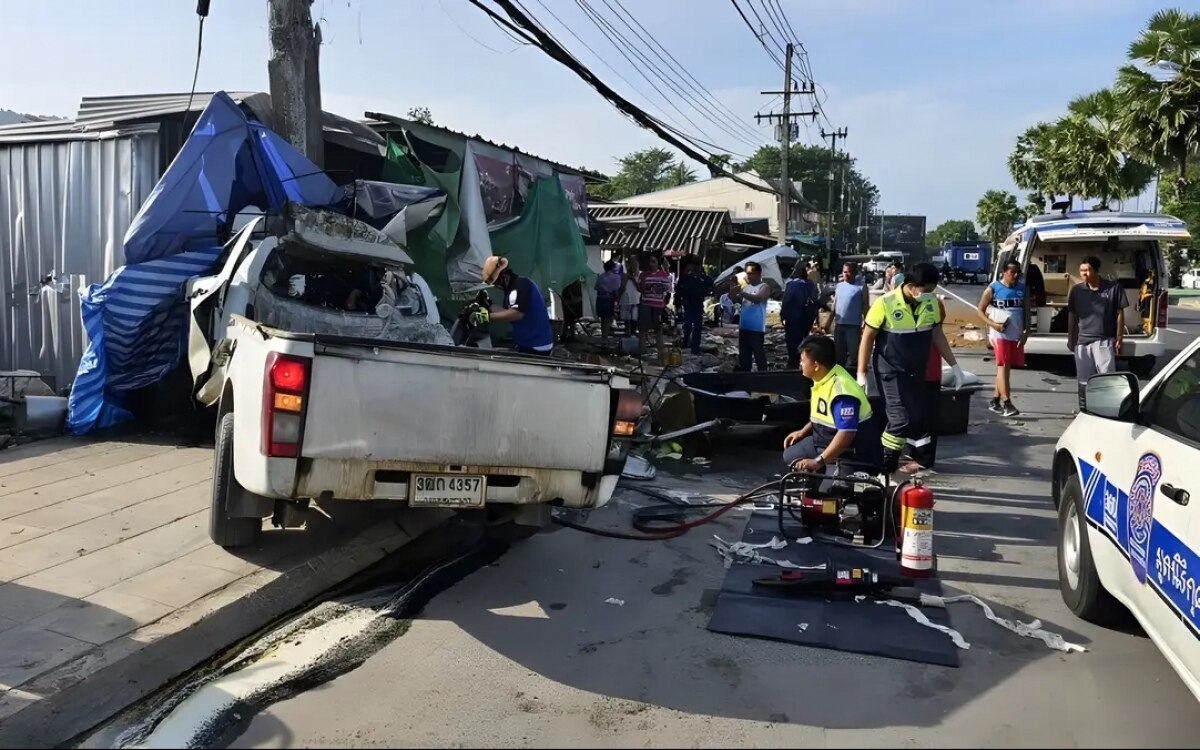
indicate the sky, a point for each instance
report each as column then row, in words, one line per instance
column 932, row 92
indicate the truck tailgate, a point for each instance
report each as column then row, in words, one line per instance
column 438, row 408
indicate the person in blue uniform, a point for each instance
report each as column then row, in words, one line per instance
column 841, row 424
column 523, row 307
column 900, row 327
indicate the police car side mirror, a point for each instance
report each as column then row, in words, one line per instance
column 1112, row 396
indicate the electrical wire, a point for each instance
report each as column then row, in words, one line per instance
column 750, row 26
column 727, row 114
column 196, row 72
column 649, row 100
column 602, row 24
column 555, row 50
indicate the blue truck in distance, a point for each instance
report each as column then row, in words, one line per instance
column 969, row 261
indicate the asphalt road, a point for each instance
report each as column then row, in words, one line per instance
column 526, row 652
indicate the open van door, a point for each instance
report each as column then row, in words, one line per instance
column 1130, row 247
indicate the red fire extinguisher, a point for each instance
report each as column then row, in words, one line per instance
column 914, row 535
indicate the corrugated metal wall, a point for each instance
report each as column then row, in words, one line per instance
column 64, row 209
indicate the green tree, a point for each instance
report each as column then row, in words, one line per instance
column 811, row 166
column 1035, row 205
column 996, row 213
column 953, row 229
column 421, row 114
column 1030, row 160
column 680, row 174
column 1092, row 144
column 1160, row 114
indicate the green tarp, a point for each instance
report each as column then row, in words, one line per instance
column 544, row 243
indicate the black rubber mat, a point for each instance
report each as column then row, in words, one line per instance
column 843, row 625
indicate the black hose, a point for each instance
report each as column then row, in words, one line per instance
column 673, row 524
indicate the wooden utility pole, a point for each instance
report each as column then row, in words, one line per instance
column 785, row 141
column 294, row 73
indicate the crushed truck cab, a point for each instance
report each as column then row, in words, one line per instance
column 320, row 403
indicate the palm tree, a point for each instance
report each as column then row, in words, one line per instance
column 996, row 213
column 1095, row 148
column 1029, row 162
column 1035, row 205
column 1160, row 99
column 679, row 174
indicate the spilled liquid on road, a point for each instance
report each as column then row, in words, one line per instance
column 212, row 706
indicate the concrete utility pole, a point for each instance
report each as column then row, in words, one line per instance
column 294, row 72
column 785, row 140
column 832, row 156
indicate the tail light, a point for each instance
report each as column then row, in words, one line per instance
column 627, row 413
column 1163, row 303
column 285, row 394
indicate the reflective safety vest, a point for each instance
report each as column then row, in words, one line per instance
column 905, row 333
column 840, row 403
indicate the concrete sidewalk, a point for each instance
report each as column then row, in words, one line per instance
column 110, row 587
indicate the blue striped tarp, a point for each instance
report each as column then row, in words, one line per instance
column 137, row 326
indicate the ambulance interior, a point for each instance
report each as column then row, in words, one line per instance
column 1052, row 268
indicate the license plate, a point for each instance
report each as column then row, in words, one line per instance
column 447, row 491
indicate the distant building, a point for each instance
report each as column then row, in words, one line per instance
column 741, row 201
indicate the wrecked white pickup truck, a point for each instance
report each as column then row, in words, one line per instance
column 334, row 379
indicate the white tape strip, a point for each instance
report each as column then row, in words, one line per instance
column 1031, row 629
column 920, row 617
column 1026, row 629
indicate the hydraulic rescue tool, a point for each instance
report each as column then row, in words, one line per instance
column 844, row 582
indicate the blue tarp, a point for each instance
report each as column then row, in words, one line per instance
column 136, row 320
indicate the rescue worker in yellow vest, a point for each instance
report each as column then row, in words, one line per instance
column 841, row 425
column 901, row 326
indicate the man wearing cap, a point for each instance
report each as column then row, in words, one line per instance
column 523, row 307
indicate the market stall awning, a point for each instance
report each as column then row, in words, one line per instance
column 668, row 229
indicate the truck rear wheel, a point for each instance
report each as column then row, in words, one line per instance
column 225, row 530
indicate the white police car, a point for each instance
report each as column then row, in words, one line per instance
column 1129, row 530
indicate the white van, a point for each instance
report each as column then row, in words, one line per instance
column 1051, row 248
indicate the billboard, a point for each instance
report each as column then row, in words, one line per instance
column 903, row 233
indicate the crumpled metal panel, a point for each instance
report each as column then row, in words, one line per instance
column 64, row 209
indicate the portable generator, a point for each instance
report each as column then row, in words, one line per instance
column 851, row 509
column 861, row 510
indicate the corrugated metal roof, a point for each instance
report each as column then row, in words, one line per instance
column 106, row 112
column 104, row 116
column 668, row 228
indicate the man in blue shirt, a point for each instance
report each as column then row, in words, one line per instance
column 851, row 300
column 752, row 323
column 798, row 312
column 523, row 307
column 841, row 423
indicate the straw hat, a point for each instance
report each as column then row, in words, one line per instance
column 492, row 268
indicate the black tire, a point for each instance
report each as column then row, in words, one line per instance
column 1086, row 595
column 227, row 531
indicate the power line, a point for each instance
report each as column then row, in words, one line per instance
column 763, row 26
column 728, row 114
column 668, row 80
column 600, row 23
column 771, row 15
column 556, row 51
column 757, row 36
column 595, row 54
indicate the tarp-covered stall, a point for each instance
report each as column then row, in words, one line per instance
column 135, row 319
